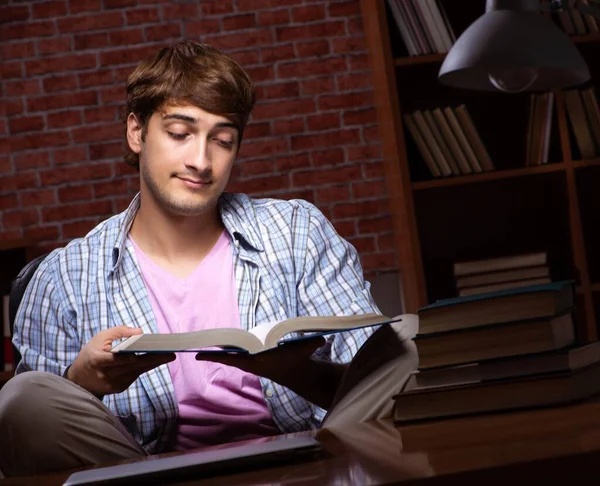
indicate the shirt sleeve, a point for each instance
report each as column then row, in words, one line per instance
column 45, row 332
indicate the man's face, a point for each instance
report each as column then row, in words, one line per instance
column 186, row 158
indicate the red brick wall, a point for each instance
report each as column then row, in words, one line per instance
column 313, row 133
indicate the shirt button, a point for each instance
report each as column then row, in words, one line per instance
column 269, row 393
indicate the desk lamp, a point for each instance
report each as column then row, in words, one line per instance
column 513, row 48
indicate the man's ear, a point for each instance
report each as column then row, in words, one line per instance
column 134, row 133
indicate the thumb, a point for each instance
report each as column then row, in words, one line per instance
column 118, row 332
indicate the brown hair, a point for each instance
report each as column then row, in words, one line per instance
column 189, row 72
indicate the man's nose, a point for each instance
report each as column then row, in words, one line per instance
column 199, row 156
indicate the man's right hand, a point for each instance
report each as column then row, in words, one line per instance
column 101, row 372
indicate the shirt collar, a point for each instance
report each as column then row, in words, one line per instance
column 237, row 214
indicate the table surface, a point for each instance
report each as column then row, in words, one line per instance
column 544, row 446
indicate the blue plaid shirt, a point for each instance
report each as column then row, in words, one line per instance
column 288, row 261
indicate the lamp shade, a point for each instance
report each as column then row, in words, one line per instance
column 513, row 50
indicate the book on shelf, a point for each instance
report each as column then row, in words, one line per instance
column 490, row 341
column 578, row 119
column 531, row 391
column 508, row 305
column 539, row 128
column 501, row 276
column 481, row 289
column 423, row 26
column 508, row 262
column 567, row 359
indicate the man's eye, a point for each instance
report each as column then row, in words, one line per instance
column 177, row 136
column 224, row 143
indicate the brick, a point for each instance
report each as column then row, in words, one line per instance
column 277, row 53
column 75, row 193
column 328, row 139
column 5, row 165
column 368, row 189
column 17, row 50
column 261, row 185
column 69, row 155
column 323, row 121
column 375, row 225
column 263, row 147
column 12, row 235
column 27, row 30
column 291, row 162
column 322, row 158
column 32, row 160
column 128, row 55
column 13, row 13
column 305, row 194
column 95, row 40
column 111, row 188
column 101, row 114
column 348, row 100
column 96, row 78
column 163, row 31
column 72, row 62
column 255, row 167
column 359, row 62
column 308, row 13
column 97, row 133
column 40, row 233
column 28, row 87
column 40, row 140
column 353, row 81
column 78, row 173
column 59, row 101
column 60, row 83
column 8, row 201
column 108, row 4
column 274, row 17
column 142, row 16
column 331, row 194
column 216, row 7
column 364, row 152
column 293, row 125
column 371, row 134
column 355, row 26
column 10, row 70
column 283, row 109
column 53, row 9
column 379, row 261
column 78, row 229
column 245, row 58
column 62, row 119
column 317, row 86
column 360, row 209
column 255, row 38
column 315, row 67
column 290, row 89
column 180, row 11
column 113, row 95
column 22, row 180
column 363, row 244
column 43, row 197
column 321, row 30
column 386, row 242
column 106, row 150
column 26, row 124
column 344, row 9
column 260, row 74
column 199, row 28
column 20, row 218
column 126, row 37
column 55, row 45
column 314, row 48
column 88, row 23
column 76, row 211
column 123, row 169
column 257, row 130
column 239, row 22
column 349, row 44
column 254, row 5
column 326, row 176
column 79, row 6
column 360, row 117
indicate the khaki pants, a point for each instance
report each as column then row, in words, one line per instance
column 48, row 423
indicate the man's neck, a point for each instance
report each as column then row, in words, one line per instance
column 177, row 243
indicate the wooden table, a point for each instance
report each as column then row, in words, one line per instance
column 549, row 446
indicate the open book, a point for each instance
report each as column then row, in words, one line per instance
column 258, row 339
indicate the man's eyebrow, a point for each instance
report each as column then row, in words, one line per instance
column 191, row 119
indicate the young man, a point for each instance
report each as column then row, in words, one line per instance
column 184, row 256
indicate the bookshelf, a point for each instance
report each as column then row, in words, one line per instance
column 514, row 209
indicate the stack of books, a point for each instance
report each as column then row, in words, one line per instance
column 575, row 22
column 584, row 118
column 508, row 272
column 500, row 351
column 423, row 26
column 448, row 141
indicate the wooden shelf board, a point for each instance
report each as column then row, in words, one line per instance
column 591, row 37
column 585, row 163
column 423, row 59
column 488, row 176
column 596, row 287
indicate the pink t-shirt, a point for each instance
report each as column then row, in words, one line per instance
column 217, row 403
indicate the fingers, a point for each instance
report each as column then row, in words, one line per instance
column 142, row 363
column 117, row 332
